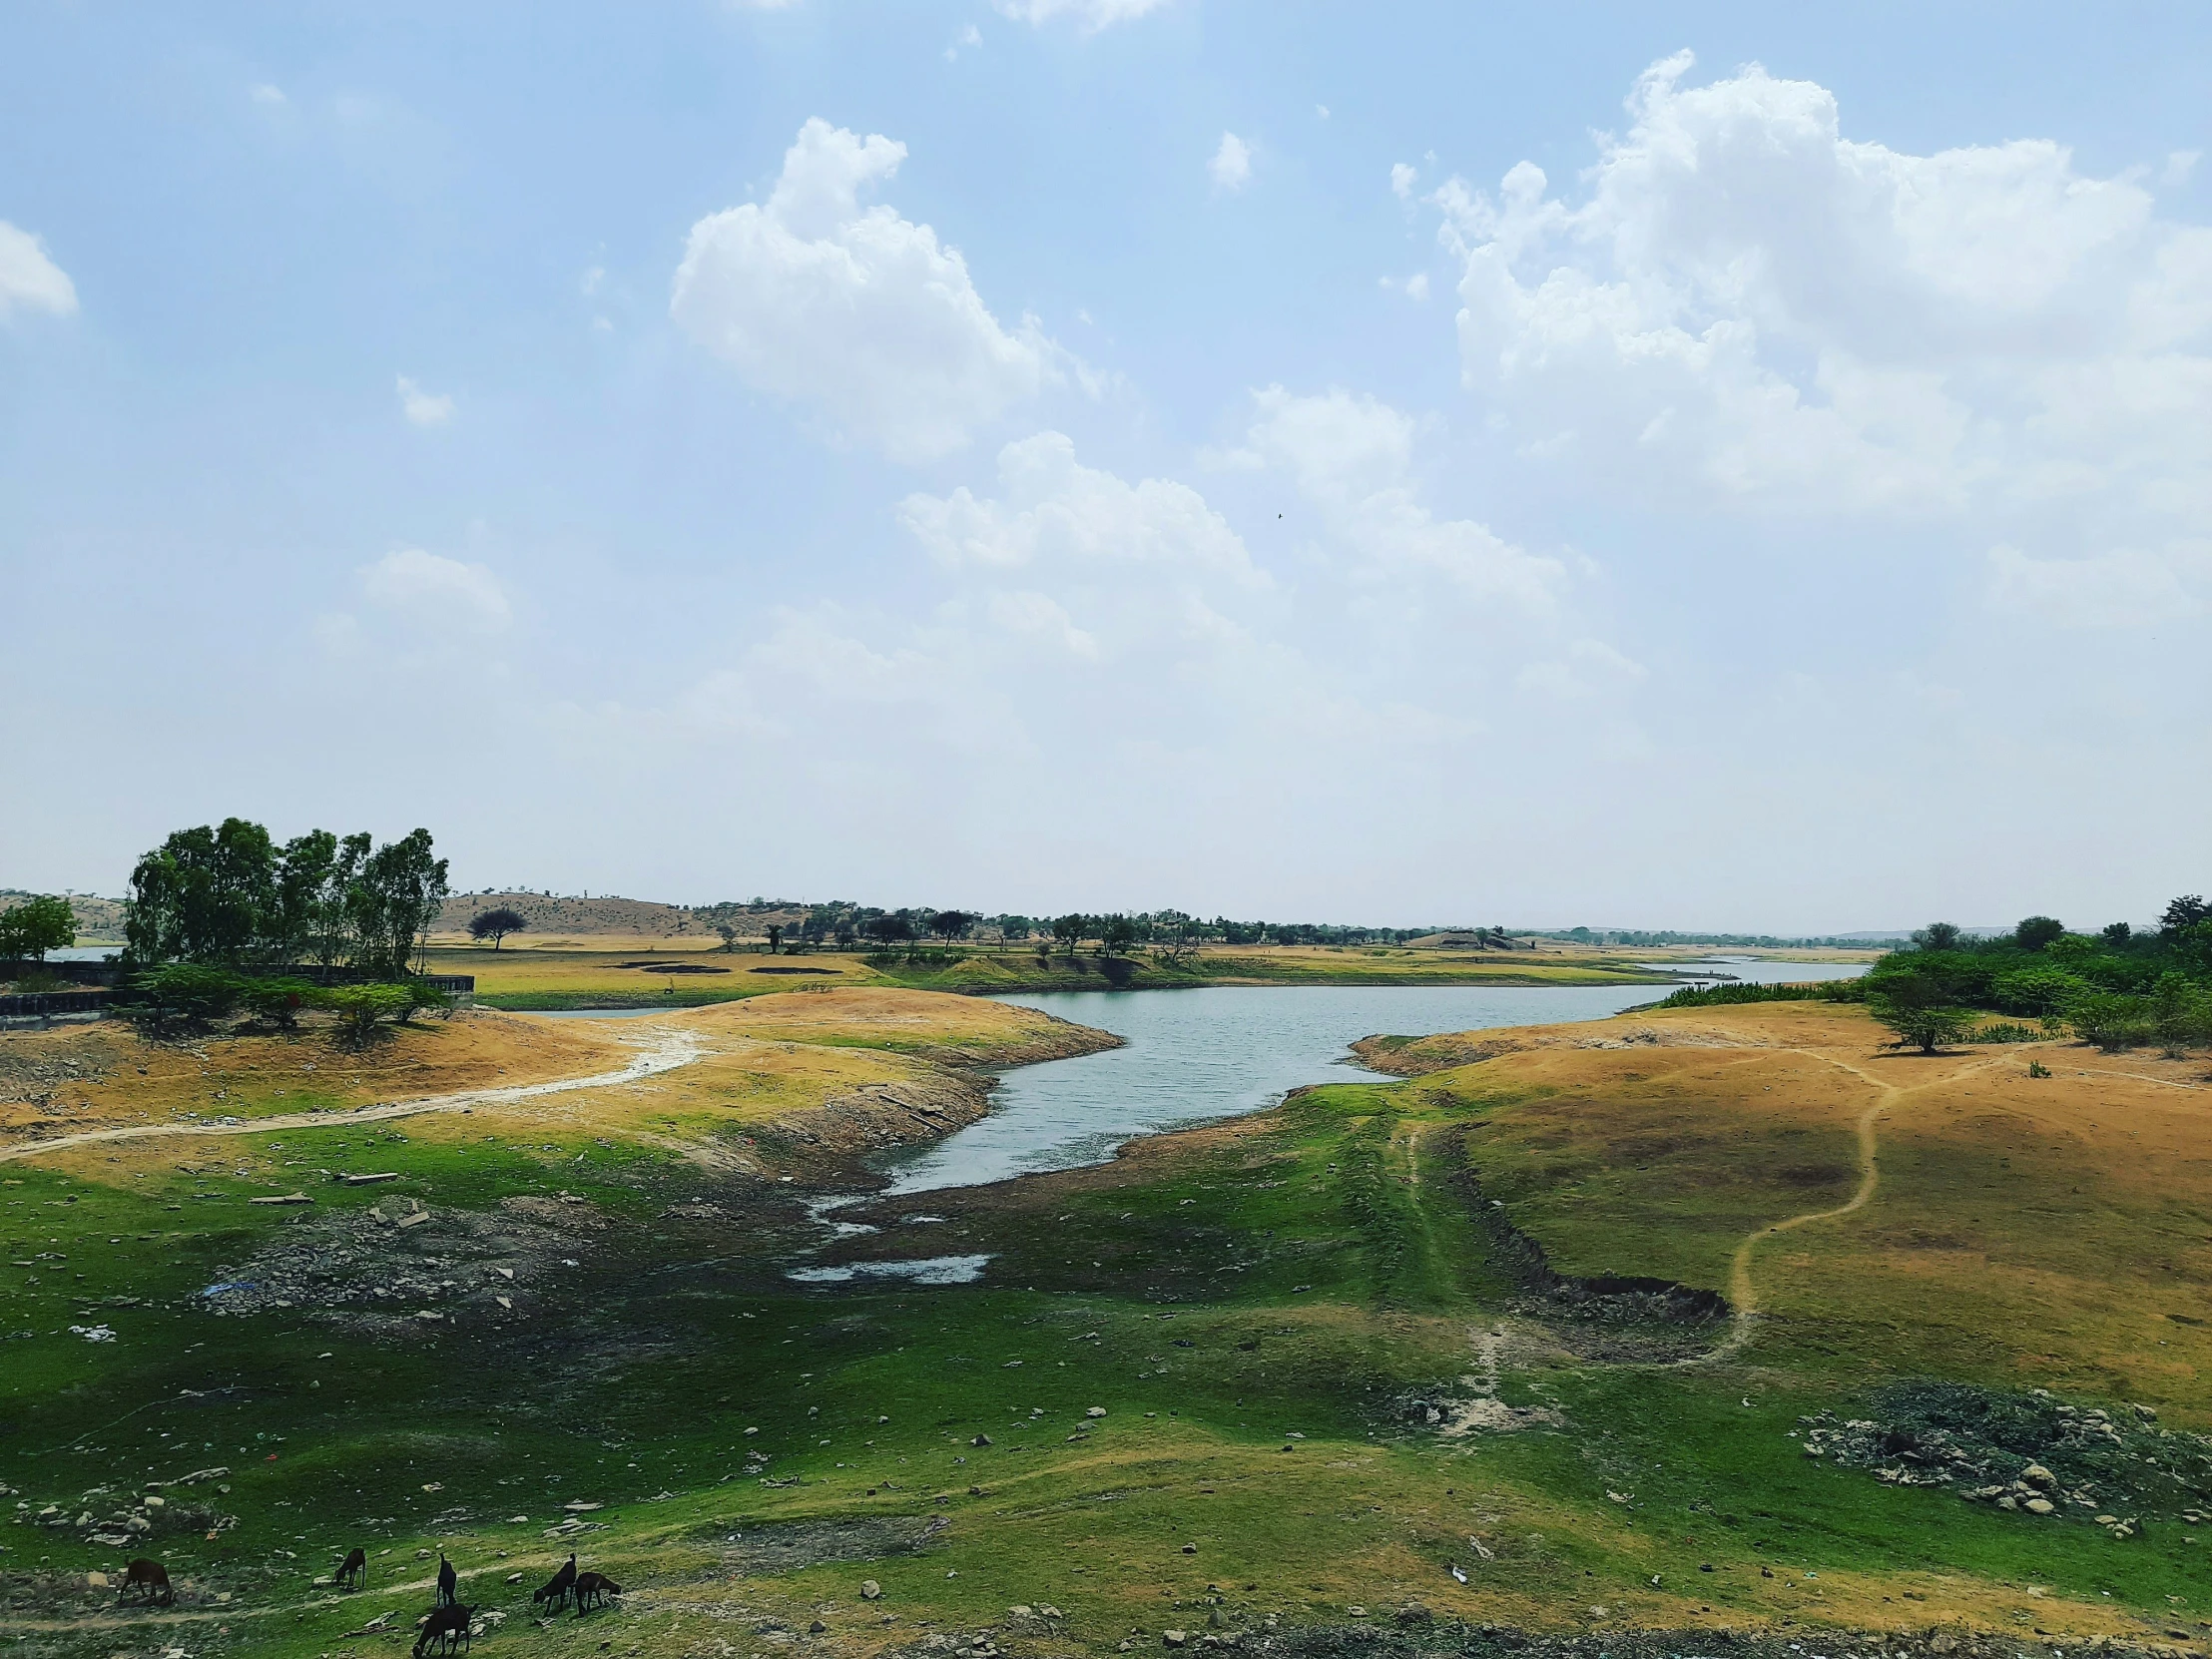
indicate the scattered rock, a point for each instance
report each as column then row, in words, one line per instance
column 870, row 1591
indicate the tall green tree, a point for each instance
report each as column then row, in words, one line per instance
column 30, row 929
column 1117, row 933
column 307, row 869
column 395, row 899
column 203, row 896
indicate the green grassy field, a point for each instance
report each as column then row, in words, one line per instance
column 1262, row 1311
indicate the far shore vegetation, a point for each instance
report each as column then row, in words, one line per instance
column 2116, row 988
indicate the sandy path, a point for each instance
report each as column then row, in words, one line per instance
column 141, row 1612
column 660, row 1050
column 1743, row 1294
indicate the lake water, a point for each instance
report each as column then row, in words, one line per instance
column 1198, row 1056
column 1753, row 970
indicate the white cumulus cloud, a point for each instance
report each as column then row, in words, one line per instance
column 1231, row 166
column 1054, row 512
column 854, row 311
column 1749, row 304
column 422, row 408
column 30, row 280
column 1352, row 456
column 430, row 589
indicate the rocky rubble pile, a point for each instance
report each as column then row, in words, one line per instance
column 396, row 1263
column 2031, row 1454
column 133, row 1520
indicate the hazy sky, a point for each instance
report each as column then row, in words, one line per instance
column 1692, row 465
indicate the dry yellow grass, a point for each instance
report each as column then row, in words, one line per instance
column 2052, row 1231
column 866, row 1058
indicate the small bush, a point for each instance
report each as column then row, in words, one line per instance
column 2006, row 1031
column 2112, row 1021
column 1715, row 996
column 361, row 1008
column 184, row 994
column 422, row 996
column 278, row 1001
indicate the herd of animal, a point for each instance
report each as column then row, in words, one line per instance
column 449, row 1623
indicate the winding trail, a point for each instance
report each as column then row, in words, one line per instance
column 1743, row 1294
column 670, row 1049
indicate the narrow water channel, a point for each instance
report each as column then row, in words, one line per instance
column 1198, row 1056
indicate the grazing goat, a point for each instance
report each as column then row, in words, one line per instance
column 446, row 1626
column 355, row 1574
column 592, row 1588
column 561, row 1588
column 151, row 1576
column 447, row 1579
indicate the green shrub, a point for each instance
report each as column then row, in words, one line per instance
column 1715, row 996
column 361, row 1008
column 2006, row 1031
column 422, row 996
column 2111, row 1020
column 183, row 993
column 1927, row 1027
column 2036, row 990
column 278, row 1001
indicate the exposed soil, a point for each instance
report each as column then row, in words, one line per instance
column 792, row 1547
column 1408, row 1634
column 1612, row 1317
column 384, row 1271
column 1418, row 1056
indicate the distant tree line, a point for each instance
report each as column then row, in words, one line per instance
column 844, row 926
column 228, row 895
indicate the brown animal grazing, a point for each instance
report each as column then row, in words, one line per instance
column 355, row 1574
column 561, row 1588
column 446, row 1626
column 152, row 1576
column 592, row 1588
column 446, row 1580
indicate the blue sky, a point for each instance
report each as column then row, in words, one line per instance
column 1664, row 466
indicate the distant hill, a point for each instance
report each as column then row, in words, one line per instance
column 614, row 917
column 98, row 920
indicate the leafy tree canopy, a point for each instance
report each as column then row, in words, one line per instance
column 228, row 895
column 32, row 928
column 497, row 925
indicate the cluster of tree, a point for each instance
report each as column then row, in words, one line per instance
column 2115, row 987
column 30, row 929
column 229, row 897
column 193, row 995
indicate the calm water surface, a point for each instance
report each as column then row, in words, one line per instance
column 1752, row 970
column 1197, row 1056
